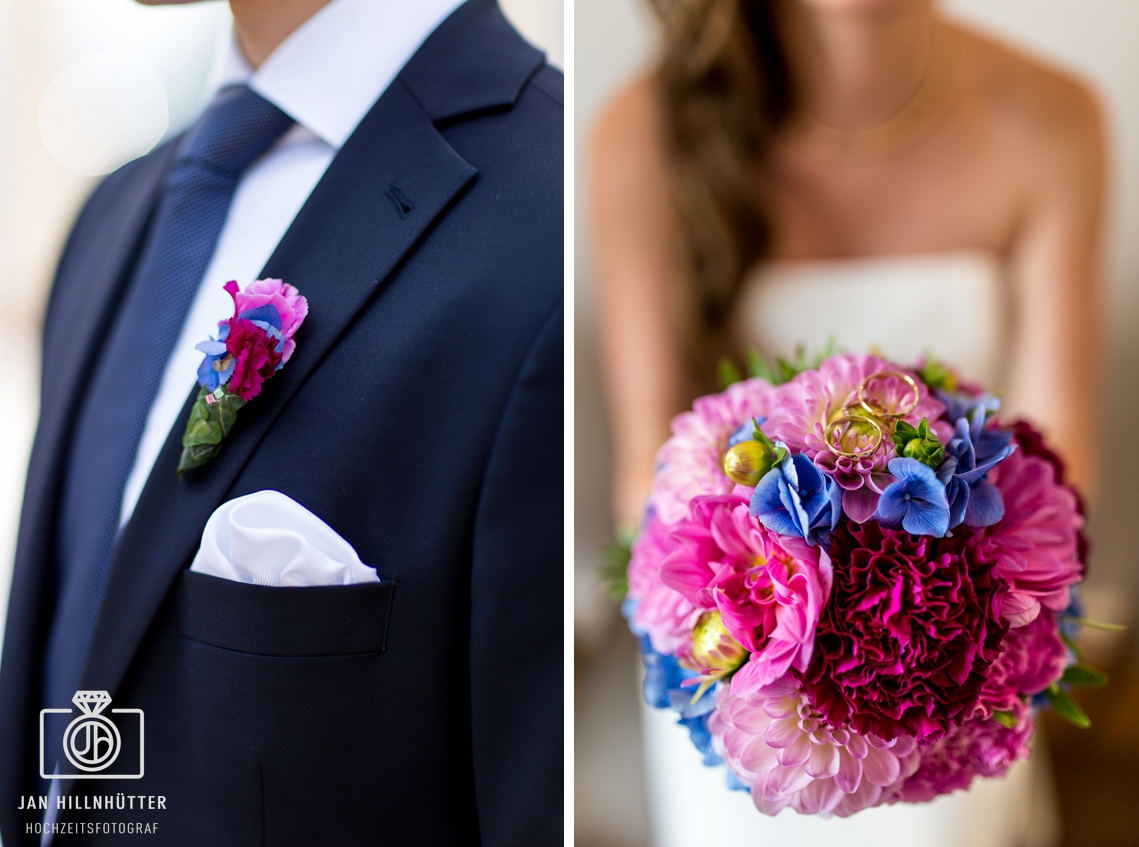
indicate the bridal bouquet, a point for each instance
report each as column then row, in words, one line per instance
column 854, row 587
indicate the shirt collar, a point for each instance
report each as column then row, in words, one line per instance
column 327, row 75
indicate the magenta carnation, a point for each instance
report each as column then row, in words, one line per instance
column 1032, row 657
column 788, row 755
column 292, row 307
column 255, row 356
column 691, row 462
column 911, row 629
column 658, row 611
column 980, row 747
column 768, row 588
column 1036, row 543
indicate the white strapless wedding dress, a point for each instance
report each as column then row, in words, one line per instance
column 948, row 304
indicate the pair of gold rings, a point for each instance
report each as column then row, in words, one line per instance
column 867, row 410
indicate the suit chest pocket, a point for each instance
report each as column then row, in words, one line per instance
column 333, row 620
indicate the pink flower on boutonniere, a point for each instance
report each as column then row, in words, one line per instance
column 251, row 346
column 290, row 305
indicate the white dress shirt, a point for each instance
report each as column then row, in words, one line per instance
column 326, row 76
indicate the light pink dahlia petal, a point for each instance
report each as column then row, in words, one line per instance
column 781, row 707
column 797, row 753
column 820, row 797
column 750, row 719
column 770, row 805
column 880, row 767
column 757, row 756
column 857, row 746
column 849, row 774
column 781, row 780
column 783, row 732
column 823, row 762
column 903, row 745
column 867, row 796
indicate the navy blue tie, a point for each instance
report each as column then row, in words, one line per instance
column 237, row 128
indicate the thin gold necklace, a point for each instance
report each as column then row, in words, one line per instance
column 900, row 132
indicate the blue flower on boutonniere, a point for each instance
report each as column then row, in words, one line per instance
column 916, row 502
column 970, row 454
column 250, row 348
column 796, row 498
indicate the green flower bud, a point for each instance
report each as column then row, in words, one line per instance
column 919, row 442
column 747, row 462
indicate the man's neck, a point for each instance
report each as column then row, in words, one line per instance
column 261, row 25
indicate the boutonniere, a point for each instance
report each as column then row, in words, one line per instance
column 250, row 348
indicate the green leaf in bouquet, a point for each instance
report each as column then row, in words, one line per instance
column 778, row 452
column 1105, row 627
column 1066, row 707
column 1006, row 719
column 615, row 572
column 937, row 375
column 756, row 366
column 727, row 373
column 781, row 369
column 1073, row 645
column 1083, row 676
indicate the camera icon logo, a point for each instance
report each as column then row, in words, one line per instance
column 92, row 742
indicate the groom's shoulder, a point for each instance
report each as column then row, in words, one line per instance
column 476, row 65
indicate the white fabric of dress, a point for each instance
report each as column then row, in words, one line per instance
column 949, row 304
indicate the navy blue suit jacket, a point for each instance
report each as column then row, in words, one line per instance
column 421, row 417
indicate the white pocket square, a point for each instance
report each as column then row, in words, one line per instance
column 266, row 538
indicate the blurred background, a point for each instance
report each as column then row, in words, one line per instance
column 85, row 86
column 1096, row 772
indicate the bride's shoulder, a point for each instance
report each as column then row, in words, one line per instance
column 1043, row 109
column 630, row 123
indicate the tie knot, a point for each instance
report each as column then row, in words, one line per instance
column 238, row 126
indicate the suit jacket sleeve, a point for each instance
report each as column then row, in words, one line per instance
column 516, row 656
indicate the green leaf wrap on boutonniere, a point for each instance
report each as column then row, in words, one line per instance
column 211, row 419
column 250, row 348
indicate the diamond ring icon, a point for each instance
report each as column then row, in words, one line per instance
column 91, row 741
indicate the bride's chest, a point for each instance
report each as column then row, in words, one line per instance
column 947, row 193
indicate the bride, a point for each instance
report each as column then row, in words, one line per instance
column 793, row 171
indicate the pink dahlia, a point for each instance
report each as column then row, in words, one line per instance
column 815, row 399
column 1032, row 657
column 661, row 612
column 691, row 462
column 1037, row 542
column 769, row 589
column 788, row 755
column 906, row 640
column 979, row 747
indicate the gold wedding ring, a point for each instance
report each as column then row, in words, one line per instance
column 877, row 411
column 839, row 428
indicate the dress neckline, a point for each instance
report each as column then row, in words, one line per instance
column 975, row 256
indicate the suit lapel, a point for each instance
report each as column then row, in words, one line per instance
column 392, row 178
column 104, row 275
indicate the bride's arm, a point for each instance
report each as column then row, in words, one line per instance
column 1057, row 333
column 640, row 291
